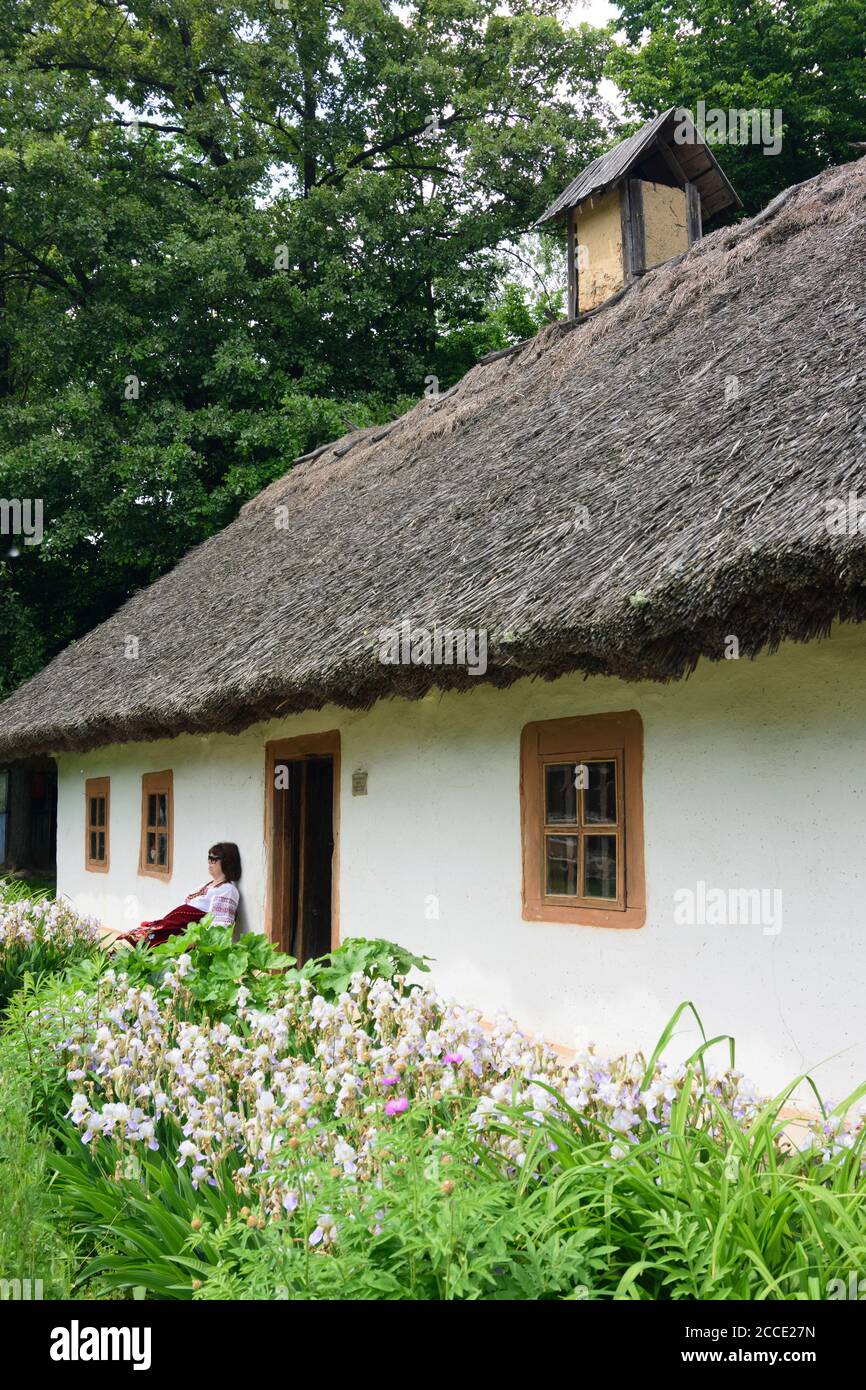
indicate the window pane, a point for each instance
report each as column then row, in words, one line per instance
column 599, row 801
column 151, row 847
column 162, row 852
column 162, row 802
column 100, row 845
column 560, row 794
column 561, row 858
column 151, row 809
column 100, row 810
column 91, row 810
column 93, row 844
column 599, row 866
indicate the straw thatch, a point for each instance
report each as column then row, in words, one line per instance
column 596, row 499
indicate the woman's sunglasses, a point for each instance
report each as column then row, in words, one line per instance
column 213, row 859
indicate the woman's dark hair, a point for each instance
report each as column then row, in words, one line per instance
column 230, row 858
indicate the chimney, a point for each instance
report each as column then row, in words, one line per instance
column 637, row 206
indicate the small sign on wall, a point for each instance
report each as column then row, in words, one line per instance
column 359, row 782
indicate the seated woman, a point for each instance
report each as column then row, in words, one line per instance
column 219, row 897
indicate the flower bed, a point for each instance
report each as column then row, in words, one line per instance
column 339, row 1073
column 231, row 1132
column 38, row 934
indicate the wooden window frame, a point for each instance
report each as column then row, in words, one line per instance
column 97, row 787
column 289, row 750
column 612, row 737
column 151, row 783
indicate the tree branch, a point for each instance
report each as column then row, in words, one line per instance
column 384, row 145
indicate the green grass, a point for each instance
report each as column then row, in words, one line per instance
column 31, row 1244
column 29, row 883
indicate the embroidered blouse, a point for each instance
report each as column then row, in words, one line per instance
column 221, row 899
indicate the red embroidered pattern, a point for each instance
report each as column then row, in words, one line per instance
column 224, row 910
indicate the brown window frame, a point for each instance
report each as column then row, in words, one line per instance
column 584, row 739
column 152, row 783
column 94, row 788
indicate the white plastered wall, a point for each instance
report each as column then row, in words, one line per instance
column 753, row 778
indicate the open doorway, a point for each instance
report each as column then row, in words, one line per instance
column 28, row 820
column 303, row 795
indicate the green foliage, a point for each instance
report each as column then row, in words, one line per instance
column 17, row 890
column 37, row 936
column 436, row 1225
column 515, row 317
column 138, row 1214
column 38, row 1020
column 37, row 960
column 804, row 57
column 226, row 235
column 735, row 1211
column 682, row 1217
column 686, row 1216
column 191, row 302
column 376, row 959
column 32, row 1241
column 220, row 966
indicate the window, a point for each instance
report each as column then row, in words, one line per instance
column 96, row 803
column 157, row 824
column 582, row 814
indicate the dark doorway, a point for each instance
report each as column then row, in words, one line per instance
column 302, row 841
column 28, row 816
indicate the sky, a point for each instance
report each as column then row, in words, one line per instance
column 591, row 11
column 596, row 12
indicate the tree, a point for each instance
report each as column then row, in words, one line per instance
column 803, row 57
column 226, row 230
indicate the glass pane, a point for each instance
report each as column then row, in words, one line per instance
column 599, row 800
column 599, row 866
column 560, row 794
column 162, row 804
column 100, row 810
column 561, row 858
column 151, row 809
column 93, row 844
column 151, row 847
column 100, row 842
column 162, row 854
column 91, row 810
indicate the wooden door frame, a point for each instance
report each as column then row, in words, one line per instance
column 289, row 750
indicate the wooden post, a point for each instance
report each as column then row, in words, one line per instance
column 632, row 227
column 638, row 230
column 625, row 231
column 571, row 230
column 694, row 221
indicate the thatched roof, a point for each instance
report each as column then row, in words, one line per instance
column 705, row 513
column 653, row 153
